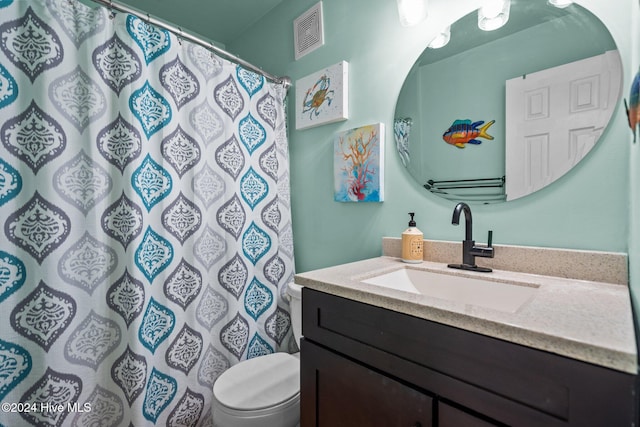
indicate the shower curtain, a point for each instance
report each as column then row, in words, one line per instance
column 145, row 223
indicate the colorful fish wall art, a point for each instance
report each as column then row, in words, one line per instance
column 633, row 110
column 463, row 132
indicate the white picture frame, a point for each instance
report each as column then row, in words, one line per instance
column 323, row 97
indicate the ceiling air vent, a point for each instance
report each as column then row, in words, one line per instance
column 307, row 31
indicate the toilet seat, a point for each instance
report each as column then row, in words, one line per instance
column 264, row 389
column 286, row 414
column 259, row 383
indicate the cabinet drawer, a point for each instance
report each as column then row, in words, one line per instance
column 337, row 392
column 449, row 416
column 511, row 383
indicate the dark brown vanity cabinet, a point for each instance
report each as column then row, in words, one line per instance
column 367, row 366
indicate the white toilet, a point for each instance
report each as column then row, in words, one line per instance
column 263, row 391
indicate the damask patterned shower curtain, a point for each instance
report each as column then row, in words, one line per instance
column 144, row 205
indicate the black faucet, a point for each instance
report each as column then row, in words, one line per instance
column 469, row 249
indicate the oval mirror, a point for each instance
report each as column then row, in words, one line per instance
column 495, row 115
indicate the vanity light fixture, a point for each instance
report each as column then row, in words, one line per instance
column 561, row 3
column 493, row 14
column 441, row 39
column 411, row 12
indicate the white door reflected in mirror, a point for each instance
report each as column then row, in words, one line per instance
column 554, row 118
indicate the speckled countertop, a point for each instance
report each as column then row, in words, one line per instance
column 584, row 320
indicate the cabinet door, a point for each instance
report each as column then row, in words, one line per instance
column 339, row 392
column 448, row 416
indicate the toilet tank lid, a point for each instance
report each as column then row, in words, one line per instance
column 259, row 383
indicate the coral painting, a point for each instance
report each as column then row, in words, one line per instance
column 322, row 97
column 358, row 164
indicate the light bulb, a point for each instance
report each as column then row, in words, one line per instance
column 560, row 3
column 492, row 8
column 441, row 39
column 411, row 12
column 493, row 14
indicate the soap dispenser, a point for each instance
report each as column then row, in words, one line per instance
column 412, row 243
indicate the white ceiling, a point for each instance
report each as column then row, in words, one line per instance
column 218, row 20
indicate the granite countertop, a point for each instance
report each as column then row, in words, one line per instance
column 584, row 320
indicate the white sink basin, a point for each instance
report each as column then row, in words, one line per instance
column 507, row 297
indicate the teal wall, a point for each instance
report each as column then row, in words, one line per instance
column 587, row 209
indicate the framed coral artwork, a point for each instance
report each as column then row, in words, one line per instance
column 322, row 97
column 358, row 164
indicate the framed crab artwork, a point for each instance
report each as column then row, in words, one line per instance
column 323, row 97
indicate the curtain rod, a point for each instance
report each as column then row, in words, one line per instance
column 112, row 5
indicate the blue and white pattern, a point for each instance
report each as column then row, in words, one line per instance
column 161, row 389
column 157, row 325
column 257, row 299
column 151, row 109
column 12, row 274
column 144, row 215
column 153, row 41
column 252, row 133
column 152, row 182
column 15, row 366
column 154, row 254
column 253, row 188
column 10, row 182
column 259, row 347
column 249, row 80
column 8, row 87
column 255, row 243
